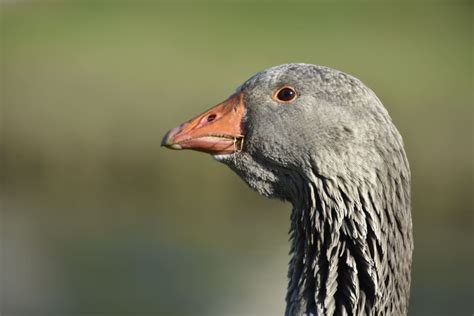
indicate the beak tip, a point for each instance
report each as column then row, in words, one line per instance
column 164, row 141
column 167, row 142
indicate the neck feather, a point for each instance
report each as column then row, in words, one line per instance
column 351, row 246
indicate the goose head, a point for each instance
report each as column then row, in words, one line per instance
column 290, row 119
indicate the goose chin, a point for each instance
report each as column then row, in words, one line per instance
column 223, row 157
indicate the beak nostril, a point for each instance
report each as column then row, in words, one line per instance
column 211, row 117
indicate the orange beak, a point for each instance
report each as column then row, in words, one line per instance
column 216, row 131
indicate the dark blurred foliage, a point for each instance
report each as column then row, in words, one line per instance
column 98, row 219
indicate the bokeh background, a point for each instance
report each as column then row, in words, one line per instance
column 98, row 219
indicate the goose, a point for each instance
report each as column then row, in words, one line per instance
column 321, row 140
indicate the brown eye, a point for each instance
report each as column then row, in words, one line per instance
column 285, row 94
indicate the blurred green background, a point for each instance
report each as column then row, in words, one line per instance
column 98, row 219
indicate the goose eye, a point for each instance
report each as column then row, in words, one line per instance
column 285, row 94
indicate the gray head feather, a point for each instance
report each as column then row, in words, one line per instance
column 335, row 154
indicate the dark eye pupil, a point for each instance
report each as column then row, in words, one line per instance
column 286, row 94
